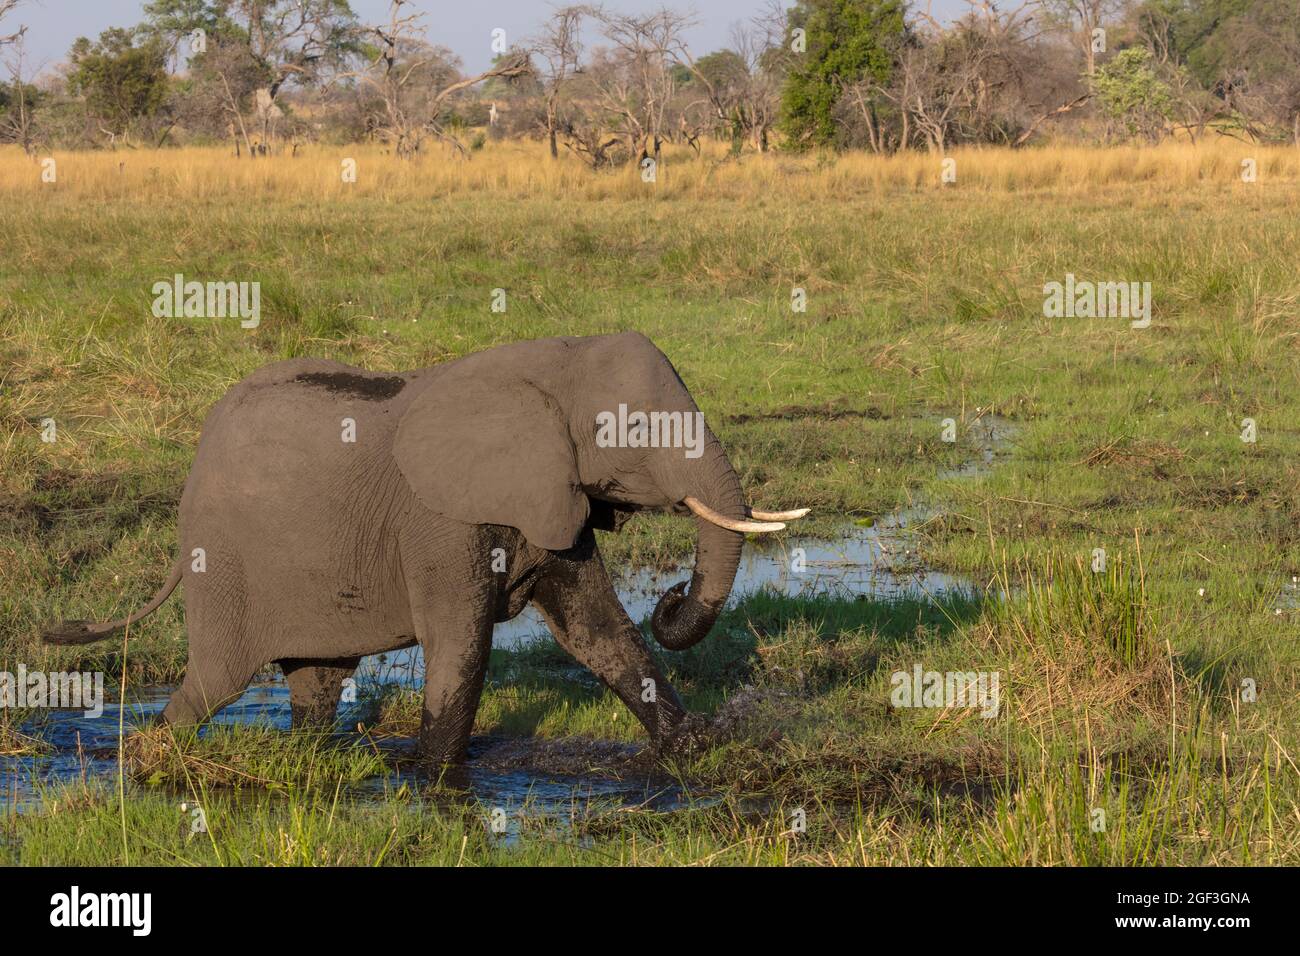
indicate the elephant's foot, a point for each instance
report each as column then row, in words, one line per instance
column 692, row 735
column 438, row 758
column 443, row 741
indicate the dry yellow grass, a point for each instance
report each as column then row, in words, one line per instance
column 512, row 170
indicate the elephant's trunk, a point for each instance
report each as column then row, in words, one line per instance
column 683, row 618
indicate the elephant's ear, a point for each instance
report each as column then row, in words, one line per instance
column 485, row 450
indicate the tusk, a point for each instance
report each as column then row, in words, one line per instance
column 794, row 515
column 731, row 524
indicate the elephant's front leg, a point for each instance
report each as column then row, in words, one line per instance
column 578, row 601
column 453, row 624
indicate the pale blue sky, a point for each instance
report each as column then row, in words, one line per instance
column 465, row 26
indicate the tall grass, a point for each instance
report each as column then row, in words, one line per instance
column 523, row 170
column 1123, row 689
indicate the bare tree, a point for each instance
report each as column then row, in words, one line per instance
column 513, row 66
column 399, row 54
column 741, row 85
column 990, row 77
column 413, row 82
column 6, row 6
column 1081, row 19
column 761, row 46
column 17, row 123
column 591, row 144
column 635, row 82
column 1265, row 85
column 558, row 45
column 939, row 83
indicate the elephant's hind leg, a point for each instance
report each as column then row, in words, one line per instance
column 221, row 624
column 315, row 688
column 207, row 688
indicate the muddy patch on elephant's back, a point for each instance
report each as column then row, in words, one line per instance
column 373, row 388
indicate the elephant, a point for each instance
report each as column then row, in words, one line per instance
column 333, row 513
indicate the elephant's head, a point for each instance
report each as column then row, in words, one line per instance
column 538, row 435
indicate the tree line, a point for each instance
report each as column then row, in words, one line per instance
column 267, row 76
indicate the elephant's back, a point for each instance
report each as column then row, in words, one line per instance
column 296, row 426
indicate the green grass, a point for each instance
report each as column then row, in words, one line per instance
column 1121, row 690
column 813, row 732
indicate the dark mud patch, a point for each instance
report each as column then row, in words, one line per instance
column 370, row 388
column 1222, row 495
column 568, row 756
column 828, row 412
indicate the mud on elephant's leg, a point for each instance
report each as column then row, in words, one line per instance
column 456, row 638
column 454, row 670
column 579, row 603
column 315, row 688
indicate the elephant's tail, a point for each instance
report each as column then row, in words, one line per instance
column 87, row 632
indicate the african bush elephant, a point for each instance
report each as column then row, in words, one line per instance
column 333, row 513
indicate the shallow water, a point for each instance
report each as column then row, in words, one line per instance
column 86, row 748
column 879, row 561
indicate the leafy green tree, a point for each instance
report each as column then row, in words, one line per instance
column 1128, row 91
column 19, row 100
column 250, row 49
column 1198, row 36
column 1262, row 47
column 286, row 39
column 845, row 42
column 120, row 79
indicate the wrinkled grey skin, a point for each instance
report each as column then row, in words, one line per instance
column 320, row 551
